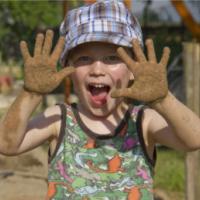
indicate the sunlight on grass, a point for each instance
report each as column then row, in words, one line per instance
column 170, row 172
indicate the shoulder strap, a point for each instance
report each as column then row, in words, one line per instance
column 62, row 130
column 137, row 117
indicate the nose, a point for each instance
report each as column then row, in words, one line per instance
column 97, row 68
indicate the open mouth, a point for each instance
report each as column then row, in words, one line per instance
column 96, row 89
column 99, row 93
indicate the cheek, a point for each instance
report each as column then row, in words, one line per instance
column 78, row 78
column 122, row 77
column 78, row 75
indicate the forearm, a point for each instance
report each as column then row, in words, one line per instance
column 185, row 123
column 14, row 123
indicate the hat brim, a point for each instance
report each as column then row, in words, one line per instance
column 107, row 37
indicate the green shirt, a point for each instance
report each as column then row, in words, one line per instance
column 113, row 167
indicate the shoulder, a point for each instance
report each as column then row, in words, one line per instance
column 57, row 114
column 153, row 120
column 52, row 110
column 57, row 111
column 153, row 124
column 143, row 112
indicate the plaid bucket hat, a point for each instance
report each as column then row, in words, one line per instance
column 104, row 21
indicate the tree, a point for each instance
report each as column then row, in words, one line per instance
column 21, row 20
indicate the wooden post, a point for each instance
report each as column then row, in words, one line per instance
column 191, row 57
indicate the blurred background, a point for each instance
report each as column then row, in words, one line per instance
column 170, row 23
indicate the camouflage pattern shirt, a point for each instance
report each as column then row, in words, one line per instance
column 111, row 167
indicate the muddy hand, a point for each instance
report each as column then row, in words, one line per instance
column 150, row 77
column 40, row 73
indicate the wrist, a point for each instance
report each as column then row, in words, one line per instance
column 27, row 91
column 158, row 103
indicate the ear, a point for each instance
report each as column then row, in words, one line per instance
column 131, row 76
column 131, row 79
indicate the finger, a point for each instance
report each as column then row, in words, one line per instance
column 48, row 42
column 64, row 72
column 58, row 49
column 151, row 51
column 137, row 49
column 165, row 56
column 24, row 50
column 38, row 44
column 127, row 59
column 121, row 93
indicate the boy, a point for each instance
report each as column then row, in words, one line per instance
column 100, row 147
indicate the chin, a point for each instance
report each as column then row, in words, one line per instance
column 99, row 112
column 105, row 110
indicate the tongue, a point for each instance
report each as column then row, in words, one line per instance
column 99, row 96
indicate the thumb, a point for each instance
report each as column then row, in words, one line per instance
column 118, row 93
column 64, row 72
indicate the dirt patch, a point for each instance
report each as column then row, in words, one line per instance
column 24, row 177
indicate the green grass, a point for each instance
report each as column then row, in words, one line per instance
column 170, row 172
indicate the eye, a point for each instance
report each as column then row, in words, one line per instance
column 112, row 59
column 83, row 60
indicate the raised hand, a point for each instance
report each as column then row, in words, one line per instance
column 40, row 73
column 150, row 77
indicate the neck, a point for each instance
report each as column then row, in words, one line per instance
column 105, row 124
column 116, row 113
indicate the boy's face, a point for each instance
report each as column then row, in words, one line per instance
column 99, row 70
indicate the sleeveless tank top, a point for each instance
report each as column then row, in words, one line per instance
column 111, row 167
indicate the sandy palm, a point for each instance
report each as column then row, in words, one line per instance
column 41, row 75
column 150, row 77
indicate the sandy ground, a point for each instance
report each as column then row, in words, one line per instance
column 24, row 177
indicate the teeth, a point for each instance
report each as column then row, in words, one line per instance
column 98, row 85
column 94, row 87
